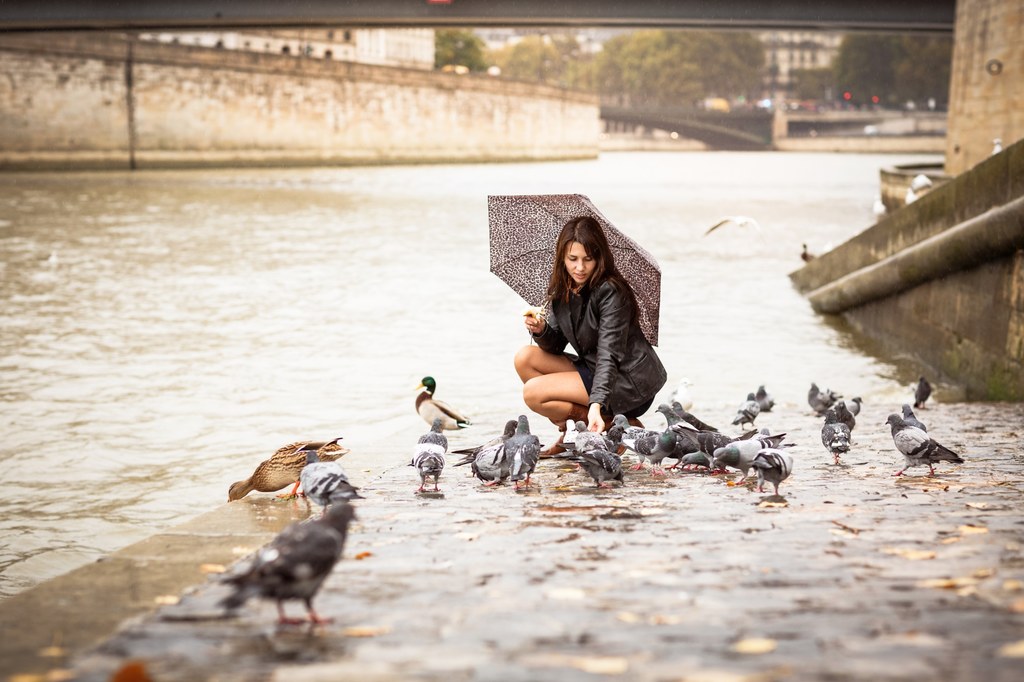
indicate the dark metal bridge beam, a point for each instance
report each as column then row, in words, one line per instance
column 847, row 15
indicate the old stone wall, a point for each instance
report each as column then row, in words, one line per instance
column 77, row 100
column 986, row 98
column 941, row 279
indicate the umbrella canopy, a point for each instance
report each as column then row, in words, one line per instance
column 524, row 229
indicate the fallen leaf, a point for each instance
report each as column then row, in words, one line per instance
column 948, row 583
column 951, row 540
column 362, row 555
column 755, row 645
column 53, row 652
column 730, row 483
column 167, row 600
column 1013, row 585
column 1012, row 650
column 972, row 530
column 60, row 675
column 662, row 619
column 912, row 554
column 212, row 568
column 366, row 630
column 627, row 617
column 978, row 505
column 566, row 594
column 600, row 665
column 984, row 573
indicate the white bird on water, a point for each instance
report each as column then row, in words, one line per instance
column 739, row 220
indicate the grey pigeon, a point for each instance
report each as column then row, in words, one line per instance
column 428, row 462
column 294, row 564
column 739, row 455
column 772, row 465
column 917, row 447
column 636, row 438
column 523, row 451
column 921, row 393
column 695, row 459
column 820, row 400
column 591, row 440
column 675, row 443
column 764, row 399
column 690, row 418
column 601, row 465
column 325, row 483
column 747, row 412
column 435, row 437
column 854, row 404
column 843, row 414
column 489, row 461
column 911, row 419
column 835, row 435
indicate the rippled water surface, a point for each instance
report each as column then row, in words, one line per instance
column 162, row 332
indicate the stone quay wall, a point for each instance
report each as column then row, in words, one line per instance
column 941, row 279
column 72, row 101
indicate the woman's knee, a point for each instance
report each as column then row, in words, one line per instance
column 525, row 361
column 533, row 393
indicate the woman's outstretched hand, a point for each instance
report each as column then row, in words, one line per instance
column 534, row 324
column 596, row 420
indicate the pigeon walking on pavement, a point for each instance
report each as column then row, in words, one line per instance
column 434, row 437
column 921, row 393
column 820, row 400
column 772, row 465
column 844, row 414
column 600, row 465
column 764, row 399
column 739, row 455
column 910, row 418
column 917, row 447
column 747, row 412
column 429, row 463
column 294, row 564
column 489, row 462
column 835, row 435
column 523, row 451
column 325, row 483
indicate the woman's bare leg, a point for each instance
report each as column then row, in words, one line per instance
column 551, row 385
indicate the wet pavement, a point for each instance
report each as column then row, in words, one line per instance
column 851, row 574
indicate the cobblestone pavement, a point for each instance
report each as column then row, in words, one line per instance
column 852, row 575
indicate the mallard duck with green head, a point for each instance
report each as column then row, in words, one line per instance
column 430, row 408
column 284, row 467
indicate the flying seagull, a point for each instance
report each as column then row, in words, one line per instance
column 738, row 220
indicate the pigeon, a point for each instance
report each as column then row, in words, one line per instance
column 854, row 405
column 739, row 455
column 764, row 399
column 738, row 220
column 523, row 451
column 821, row 400
column 591, row 440
column 691, row 419
column 909, row 418
column 434, row 439
column 772, row 465
column 682, row 395
column 325, row 483
column 428, row 462
column 918, row 186
column 294, row 564
column 601, row 465
column 572, row 429
column 843, row 414
column 747, row 412
column 489, row 461
column 917, row 447
column 921, row 393
column 835, row 435
column 430, row 408
column 642, row 442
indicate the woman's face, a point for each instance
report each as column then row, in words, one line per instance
column 579, row 265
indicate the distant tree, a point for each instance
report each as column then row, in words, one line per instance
column 459, row 48
column 813, row 83
column 554, row 58
column 894, row 69
column 679, row 68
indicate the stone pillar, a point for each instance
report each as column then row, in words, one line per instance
column 986, row 91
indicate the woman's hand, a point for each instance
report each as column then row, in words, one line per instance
column 596, row 421
column 535, row 325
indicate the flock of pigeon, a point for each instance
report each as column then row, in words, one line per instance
column 296, row 563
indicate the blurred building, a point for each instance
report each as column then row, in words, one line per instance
column 789, row 51
column 404, row 47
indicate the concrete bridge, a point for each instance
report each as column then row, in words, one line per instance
column 739, row 131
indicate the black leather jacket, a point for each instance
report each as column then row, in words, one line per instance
column 627, row 371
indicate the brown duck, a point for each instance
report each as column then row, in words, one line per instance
column 283, row 468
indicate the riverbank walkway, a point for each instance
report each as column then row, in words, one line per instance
column 852, row 575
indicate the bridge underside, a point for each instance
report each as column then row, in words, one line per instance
column 732, row 131
column 873, row 15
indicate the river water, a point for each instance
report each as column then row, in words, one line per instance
column 163, row 332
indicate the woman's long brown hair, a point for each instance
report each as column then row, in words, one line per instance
column 587, row 231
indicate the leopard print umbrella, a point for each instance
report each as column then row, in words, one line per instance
column 524, row 229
